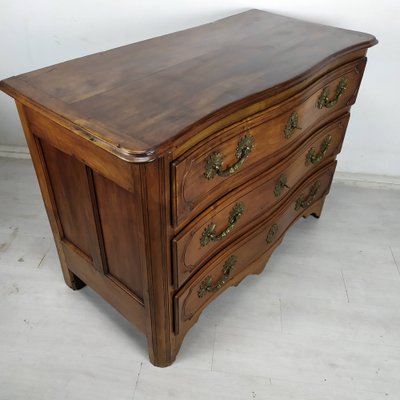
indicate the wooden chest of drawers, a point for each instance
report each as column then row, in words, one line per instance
column 172, row 168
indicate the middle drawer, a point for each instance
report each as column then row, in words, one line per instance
column 235, row 213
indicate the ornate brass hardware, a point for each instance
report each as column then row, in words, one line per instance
column 323, row 100
column 209, row 233
column 314, row 158
column 206, row 285
column 291, row 125
column 280, row 185
column 215, row 160
column 272, row 233
column 306, row 201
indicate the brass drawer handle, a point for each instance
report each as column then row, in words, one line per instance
column 209, row 233
column 304, row 202
column 215, row 160
column 313, row 157
column 272, row 233
column 206, row 286
column 291, row 125
column 280, row 185
column 323, row 100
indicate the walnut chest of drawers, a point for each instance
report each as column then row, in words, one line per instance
column 171, row 168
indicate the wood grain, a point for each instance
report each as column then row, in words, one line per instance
column 48, row 197
column 141, row 96
column 258, row 199
column 248, row 249
column 118, row 219
column 120, row 141
column 193, row 192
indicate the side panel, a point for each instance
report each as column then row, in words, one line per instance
column 44, row 182
column 77, row 201
column 118, row 217
column 69, row 181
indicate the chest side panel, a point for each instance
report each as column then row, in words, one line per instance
column 97, row 218
column 69, row 180
column 119, row 222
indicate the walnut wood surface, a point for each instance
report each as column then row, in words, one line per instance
column 48, row 197
column 76, row 219
column 193, row 192
column 120, row 141
column 258, row 199
column 187, row 301
column 136, row 98
column 118, row 219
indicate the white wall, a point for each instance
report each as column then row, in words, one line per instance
column 39, row 33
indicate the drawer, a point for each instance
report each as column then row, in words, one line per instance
column 221, row 271
column 234, row 214
column 243, row 150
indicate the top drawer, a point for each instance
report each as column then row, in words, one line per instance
column 243, row 150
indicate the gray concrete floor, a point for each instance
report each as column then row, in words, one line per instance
column 322, row 321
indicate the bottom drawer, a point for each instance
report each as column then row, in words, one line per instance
column 221, row 271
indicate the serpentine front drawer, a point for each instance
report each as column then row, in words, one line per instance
column 229, row 266
column 238, row 152
column 242, row 208
column 171, row 168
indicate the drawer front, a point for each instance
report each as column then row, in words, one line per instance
column 222, row 270
column 234, row 214
column 246, row 148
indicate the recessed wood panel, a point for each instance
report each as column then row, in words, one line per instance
column 118, row 216
column 71, row 192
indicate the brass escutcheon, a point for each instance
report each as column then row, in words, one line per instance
column 272, row 233
column 291, row 125
column 280, row 185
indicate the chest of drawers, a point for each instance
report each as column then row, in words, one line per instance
column 171, row 168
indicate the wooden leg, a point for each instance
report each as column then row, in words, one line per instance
column 161, row 342
column 72, row 280
column 315, row 209
column 162, row 358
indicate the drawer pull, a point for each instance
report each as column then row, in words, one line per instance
column 206, row 286
column 215, row 160
column 209, row 233
column 291, row 125
column 323, row 100
column 304, row 202
column 272, row 233
column 280, row 185
column 313, row 157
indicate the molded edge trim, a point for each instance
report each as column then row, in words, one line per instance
column 219, row 114
column 15, row 87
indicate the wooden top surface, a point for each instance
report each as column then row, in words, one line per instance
column 138, row 97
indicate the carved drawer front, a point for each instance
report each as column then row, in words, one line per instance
column 234, row 214
column 229, row 266
column 246, row 148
